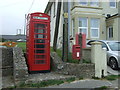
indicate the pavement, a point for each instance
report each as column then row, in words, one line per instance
column 87, row 83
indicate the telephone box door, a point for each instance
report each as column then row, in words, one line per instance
column 41, row 37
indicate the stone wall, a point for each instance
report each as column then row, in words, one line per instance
column 20, row 66
column 7, row 61
column 14, row 64
column 79, row 70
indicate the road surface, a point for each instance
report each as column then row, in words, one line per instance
column 113, row 72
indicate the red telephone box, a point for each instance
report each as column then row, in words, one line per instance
column 38, row 42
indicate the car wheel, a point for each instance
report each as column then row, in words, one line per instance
column 113, row 63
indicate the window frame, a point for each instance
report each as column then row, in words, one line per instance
column 83, row 27
column 94, row 4
column 113, row 6
column 95, row 28
column 87, row 2
column 73, row 28
column 109, row 36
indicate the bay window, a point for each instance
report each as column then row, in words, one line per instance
column 94, row 3
column 73, row 28
column 94, row 28
column 112, row 3
column 83, row 26
column 83, row 2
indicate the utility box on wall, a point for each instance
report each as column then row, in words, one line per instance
column 38, row 42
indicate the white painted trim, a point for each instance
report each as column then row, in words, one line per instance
column 83, row 27
column 108, row 32
column 95, row 28
column 112, row 6
column 91, row 33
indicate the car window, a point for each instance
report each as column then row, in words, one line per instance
column 114, row 46
column 104, row 46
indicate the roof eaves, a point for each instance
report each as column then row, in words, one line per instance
column 112, row 16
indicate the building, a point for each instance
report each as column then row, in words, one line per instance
column 98, row 20
column 90, row 18
column 51, row 10
column 13, row 37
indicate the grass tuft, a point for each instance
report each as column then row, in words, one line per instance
column 70, row 79
column 41, row 84
column 112, row 77
column 102, row 88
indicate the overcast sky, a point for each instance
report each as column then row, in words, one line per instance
column 12, row 14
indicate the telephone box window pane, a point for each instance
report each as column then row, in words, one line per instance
column 40, row 31
column 40, row 25
column 39, row 56
column 40, row 36
column 39, row 61
column 39, row 51
column 39, row 46
column 39, row 41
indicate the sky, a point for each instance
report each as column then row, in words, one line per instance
column 12, row 14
